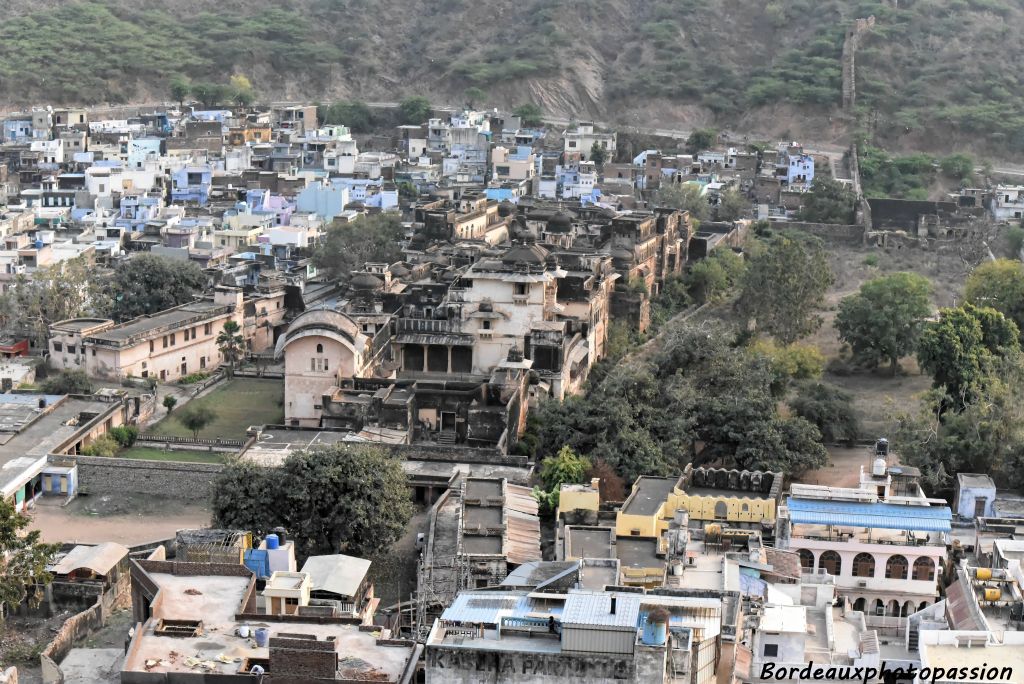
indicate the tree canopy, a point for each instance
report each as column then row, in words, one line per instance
column 1000, row 285
column 961, row 349
column 344, row 498
column 414, row 110
column 146, row 284
column 828, row 408
column 701, row 139
column 686, row 196
column 31, row 305
column 347, row 246
column 195, row 417
column 68, row 382
column 828, row 201
column 530, row 114
column 712, row 277
column 352, row 113
column 883, row 320
column 733, row 205
column 23, row 559
column 784, row 286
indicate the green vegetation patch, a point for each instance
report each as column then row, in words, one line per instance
column 236, row 403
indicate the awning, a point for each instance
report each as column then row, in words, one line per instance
column 876, row 515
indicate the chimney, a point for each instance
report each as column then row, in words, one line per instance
column 613, row 605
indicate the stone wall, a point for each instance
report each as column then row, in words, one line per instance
column 183, row 481
column 76, row 627
column 830, row 232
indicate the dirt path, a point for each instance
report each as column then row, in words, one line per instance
column 62, row 525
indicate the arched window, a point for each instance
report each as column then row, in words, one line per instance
column 924, row 604
column 894, row 608
column 831, row 563
column 806, row 560
column 908, row 608
column 721, row 510
column 924, row 569
column 863, row 565
column 744, row 508
column 896, row 567
column 319, row 349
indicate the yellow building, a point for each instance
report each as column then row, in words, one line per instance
column 737, row 498
column 584, row 498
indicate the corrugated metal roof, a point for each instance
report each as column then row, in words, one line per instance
column 486, row 607
column 100, row 559
column 595, row 609
column 876, row 515
column 522, row 526
column 337, row 573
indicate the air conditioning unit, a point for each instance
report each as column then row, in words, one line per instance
column 862, row 584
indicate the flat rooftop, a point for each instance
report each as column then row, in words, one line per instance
column 37, row 433
column 648, row 495
column 215, row 600
column 483, row 489
column 736, row 493
column 635, row 552
column 589, row 542
column 196, row 311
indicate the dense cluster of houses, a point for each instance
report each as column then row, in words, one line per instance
column 522, row 248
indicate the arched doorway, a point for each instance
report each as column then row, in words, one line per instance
column 860, row 604
column 908, row 608
column 878, row 608
column 863, row 565
column 894, row 608
column 924, row 569
column 896, row 567
column 806, row 560
column 831, row 563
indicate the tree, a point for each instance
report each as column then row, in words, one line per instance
column 33, row 303
column 105, row 446
column 231, row 344
column 529, row 114
column 125, row 435
column 146, row 284
column 733, row 205
column 598, row 154
column 829, row 201
column 180, row 88
column 685, row 196
column 68, row 382
column 564, row 468
column 23, row 560
column 783, row 287
column 195, row 417
column 828, row 408
column 961, row 348
column 474, row 96
column 242, row 92
column 714, row 276
column 792, row 362
column 883, row 320
column 170, row 402
column 415, row 110
column 701, row 139
column 999, row 284
column 354, row 114
column 345, row 498
column 611, row 486
column 210, row 94
column 958, row 166
column 348, row 246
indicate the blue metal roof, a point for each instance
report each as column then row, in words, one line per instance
column 877, row 515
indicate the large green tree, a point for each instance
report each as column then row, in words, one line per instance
column 829, row 201
column 828, row 408
column 961, row 349
column 414, row 110
column 343, row 498
column 32, row 303
column 685, row 196
column 784, row 286
column 883, row 320
column 353, row 113
column 999, row 284
column 529, row 114
column 733, row 205
column 23, row 560
column 146, row 284
column 713, row 277
column 68, row 382
column 347, row 246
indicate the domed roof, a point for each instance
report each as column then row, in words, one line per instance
column 366, row 281
column 561, row 222
column 506, row 208
column 529, row 254
column 399, row 271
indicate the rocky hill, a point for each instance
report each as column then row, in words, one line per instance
column 930, row 72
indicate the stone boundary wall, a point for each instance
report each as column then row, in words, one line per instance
column 185, row 481
column 76, row 627
column 830, row 232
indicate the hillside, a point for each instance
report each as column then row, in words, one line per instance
column 931, row 72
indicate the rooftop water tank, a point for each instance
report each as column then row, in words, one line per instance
column 879, row 467
column 273, row 542
column 655, row 628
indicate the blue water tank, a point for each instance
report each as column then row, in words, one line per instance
column 262, row 636
column 655, row 632
column 39, row 244
column 272, row 542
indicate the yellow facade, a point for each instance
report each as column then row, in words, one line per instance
column 578, row 498
column 738, row 509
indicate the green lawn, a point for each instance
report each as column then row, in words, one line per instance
column 237, row 404
column 181, row 456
